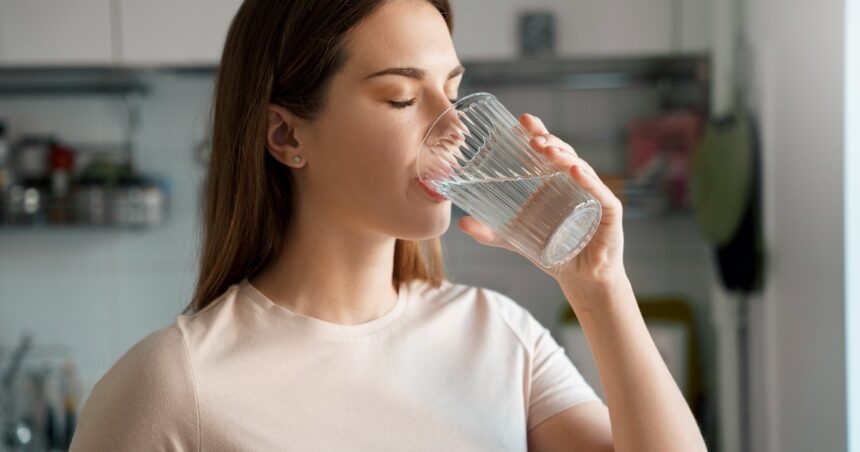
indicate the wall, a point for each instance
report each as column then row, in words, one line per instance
column 852, row 218
column 100, row 291
column 798, row 323
column 585, row 27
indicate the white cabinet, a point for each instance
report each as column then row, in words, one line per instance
column 695, row 25
column 488, row 29
column 475, row 39
column 173, row 32
column 191, row 32
column 55, row 32
column 615, row 27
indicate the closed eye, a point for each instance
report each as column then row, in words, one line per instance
column 403, row 103
column 409, row 103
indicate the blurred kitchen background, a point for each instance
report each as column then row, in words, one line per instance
column 727, row 127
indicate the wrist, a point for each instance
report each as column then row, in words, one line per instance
column 587, row 296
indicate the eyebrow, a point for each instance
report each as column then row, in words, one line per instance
column 413, row 72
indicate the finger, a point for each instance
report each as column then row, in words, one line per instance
column 609, row 203
column 532, row 124
column 543, row 141
column 587, row 167
column 568, row 155
column 563, row 160
column 559, row 158
column 482, row 233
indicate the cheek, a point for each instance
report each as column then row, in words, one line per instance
column 368, row 161
column 379, row 147
column 367, row 158
column 369, row 172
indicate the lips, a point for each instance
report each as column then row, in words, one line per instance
column 433, row 194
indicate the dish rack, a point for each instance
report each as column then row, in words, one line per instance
column 39, row 390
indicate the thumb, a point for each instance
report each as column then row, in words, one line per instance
column 485, row 235
column 482, row 233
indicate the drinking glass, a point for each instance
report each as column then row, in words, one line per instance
column 477, row 155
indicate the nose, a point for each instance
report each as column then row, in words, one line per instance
column 440, row 152
column 434, row 107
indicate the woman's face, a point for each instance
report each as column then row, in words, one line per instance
column 401, row 72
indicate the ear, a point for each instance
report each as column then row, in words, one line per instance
column 282, row 140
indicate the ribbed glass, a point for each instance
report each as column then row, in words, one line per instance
column 477, row 155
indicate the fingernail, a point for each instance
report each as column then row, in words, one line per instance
column 541, row 139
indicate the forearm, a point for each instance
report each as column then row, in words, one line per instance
column 648, row 412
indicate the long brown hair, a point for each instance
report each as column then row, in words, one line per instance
column 285, row 52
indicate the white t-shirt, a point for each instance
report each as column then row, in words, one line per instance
column 449, row 368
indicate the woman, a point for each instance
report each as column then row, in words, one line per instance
column 322, row 319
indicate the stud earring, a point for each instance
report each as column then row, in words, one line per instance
column 297, row 159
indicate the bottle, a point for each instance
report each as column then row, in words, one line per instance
column 61, row 160
column 70, row 387
column 5, row 175
column 5, row 172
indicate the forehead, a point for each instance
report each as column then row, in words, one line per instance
column 401, row 33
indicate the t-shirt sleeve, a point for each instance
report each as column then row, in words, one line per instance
column 555, row 382
column 146, row 402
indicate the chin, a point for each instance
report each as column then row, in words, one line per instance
column 429, row 225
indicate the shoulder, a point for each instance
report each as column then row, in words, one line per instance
column 504, row 306
column 517, row 318
column 147, row 399
column 453, row 292
column 158, row 362
column 159, row 355
column 489, row 303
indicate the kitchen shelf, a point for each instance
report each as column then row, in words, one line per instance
column 86, row 228
column 70, row 82
column 587, row 73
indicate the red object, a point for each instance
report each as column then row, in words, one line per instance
column 60, row 157
column 673, row 137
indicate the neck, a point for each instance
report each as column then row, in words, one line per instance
column 331, row 273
